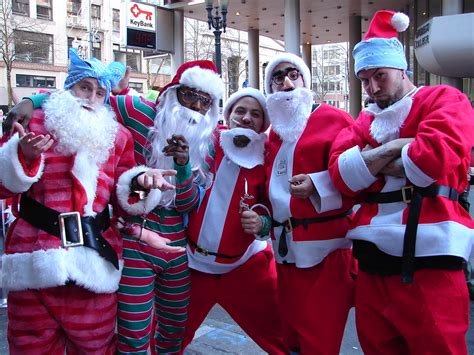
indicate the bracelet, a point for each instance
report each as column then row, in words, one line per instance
column 266, row 225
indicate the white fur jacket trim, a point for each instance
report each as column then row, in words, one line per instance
column 123, row 193
column 54, row 267
column 12, row 174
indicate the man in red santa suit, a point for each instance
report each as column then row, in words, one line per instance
column 314, row 260
column 407, row 158
column 62, row 262
column 230, row 263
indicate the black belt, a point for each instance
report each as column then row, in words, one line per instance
column 206, row 252
column 291, row 223
column 70, row 227
column 413, row 196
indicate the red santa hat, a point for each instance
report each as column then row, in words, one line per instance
column 380, row 47
column 200, row 75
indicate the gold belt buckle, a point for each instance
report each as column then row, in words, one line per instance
column 404, row 193
column 62, row 229
column 202, row 251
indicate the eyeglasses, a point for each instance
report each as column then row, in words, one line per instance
column 279, row 77
column 190, row 97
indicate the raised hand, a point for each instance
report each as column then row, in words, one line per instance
column 31, row 145
column 155, row 179
column 301, row 186
column 178, row 148
column 21, row 113
column 123, row 83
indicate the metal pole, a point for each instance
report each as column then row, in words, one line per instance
column 217, row 34
column 89, row 30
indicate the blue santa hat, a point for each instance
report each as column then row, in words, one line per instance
column 380, row 47
column 107, row 76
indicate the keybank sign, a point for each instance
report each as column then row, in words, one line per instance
column 141, row 16
column 139, row 22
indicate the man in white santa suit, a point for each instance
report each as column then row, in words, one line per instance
column 62, row 262
column 406, row 158
column 314, row 261
column 229, row 265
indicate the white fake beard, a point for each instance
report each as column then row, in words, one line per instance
column 249, row 156
column 173, row 118
column 79, row 130
column 289, row 112
column 387, row 122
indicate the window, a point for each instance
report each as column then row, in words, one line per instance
column 44, row 9
column 96, row 50
column 73, row 7
column 82, row 48
column 329, row 54
column 129, row 57
column 95, row 15
column 35, row 81
column 33, row 47
column 332, row 70
column 116, row 20
column 136, row 86
column 21, row 7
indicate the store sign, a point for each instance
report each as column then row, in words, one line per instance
column 140, row 23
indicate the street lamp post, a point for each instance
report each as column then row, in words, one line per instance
column 218, row 22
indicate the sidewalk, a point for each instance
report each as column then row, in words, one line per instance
column 220, row 335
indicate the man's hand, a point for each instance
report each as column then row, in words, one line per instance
column 394, row 168
column 251, row 222
column 21, row 113
column 155, row 179
column 178, row 148
column 32, row 146
column 301, row 186
column 158, row 242
column 123, row 83
column 147, row 236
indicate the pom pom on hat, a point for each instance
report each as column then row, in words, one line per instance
column 380, row 47
column 250, row 92
column 289, row 58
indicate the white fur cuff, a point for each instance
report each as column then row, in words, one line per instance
column 53, row 267
column 353, row 170
column 12, row 175
column 327, row 197
column 123, row 193
column 414, row 173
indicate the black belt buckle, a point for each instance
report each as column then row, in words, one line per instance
column 202, row 251
column 407, row 193
column 62, row 229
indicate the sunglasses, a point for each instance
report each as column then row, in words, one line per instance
column 190, row 97
column 279, row 77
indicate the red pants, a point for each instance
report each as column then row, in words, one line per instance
column 52, row 320
column 314, row 303
column 247, row 293
column 430, row 316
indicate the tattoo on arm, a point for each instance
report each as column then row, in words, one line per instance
column 394, row 168
column 376, row 159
